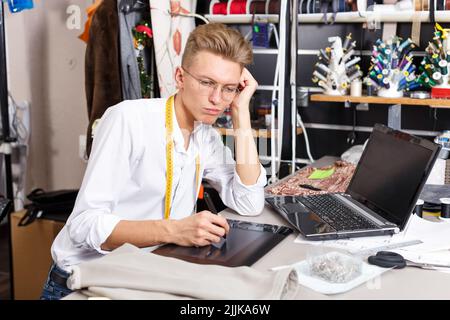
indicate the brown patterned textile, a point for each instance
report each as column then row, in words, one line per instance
column 337, row 182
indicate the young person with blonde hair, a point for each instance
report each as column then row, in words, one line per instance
column 139, row 143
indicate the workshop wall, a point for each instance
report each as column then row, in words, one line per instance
column 46, row 68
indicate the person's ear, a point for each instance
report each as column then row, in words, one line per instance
column 179, row 78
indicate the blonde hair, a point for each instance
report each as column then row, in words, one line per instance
column 218, row 39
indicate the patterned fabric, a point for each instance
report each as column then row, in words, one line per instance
column 170, row 35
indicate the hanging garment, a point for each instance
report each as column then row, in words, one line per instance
column 131, row 87
column 139, row 78
column 90, row 13
column 170, row 35
column 102, row 65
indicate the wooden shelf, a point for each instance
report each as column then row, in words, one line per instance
column 434, row 103
column 257, row 133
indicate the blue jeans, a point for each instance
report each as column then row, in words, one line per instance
column 55, row 288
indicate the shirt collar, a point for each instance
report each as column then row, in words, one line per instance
column 178, row 138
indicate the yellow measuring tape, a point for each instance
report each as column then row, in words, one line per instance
column 169, row 159
column 169, row 156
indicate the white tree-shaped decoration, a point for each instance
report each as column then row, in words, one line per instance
column 335, row 69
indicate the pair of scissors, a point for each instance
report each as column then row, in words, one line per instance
column 388, row 259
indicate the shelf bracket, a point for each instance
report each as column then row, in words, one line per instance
column 395, row 116
column 347, row 104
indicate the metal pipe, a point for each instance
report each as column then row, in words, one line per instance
column 293, row 81
column 6, row 133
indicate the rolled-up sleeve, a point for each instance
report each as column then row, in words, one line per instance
column 220, row 172
column 93, row 218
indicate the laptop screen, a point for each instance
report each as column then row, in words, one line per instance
column 391, row 173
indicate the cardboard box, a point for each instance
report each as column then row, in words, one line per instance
column 31, row 254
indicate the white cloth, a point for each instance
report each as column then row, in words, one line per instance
column 130, row 273
column 125, row 178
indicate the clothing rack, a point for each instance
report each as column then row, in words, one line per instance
column 6, row 139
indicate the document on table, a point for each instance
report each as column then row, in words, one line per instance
column 435, row 236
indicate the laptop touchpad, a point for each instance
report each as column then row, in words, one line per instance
column 295, row 207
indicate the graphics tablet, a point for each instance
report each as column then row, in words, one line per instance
column 246, row 243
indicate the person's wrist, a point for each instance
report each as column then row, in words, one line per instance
column 168, row 231
column 241, row 118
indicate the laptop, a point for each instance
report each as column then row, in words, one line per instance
column 380, row 197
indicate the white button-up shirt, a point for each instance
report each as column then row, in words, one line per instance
column 126, row 178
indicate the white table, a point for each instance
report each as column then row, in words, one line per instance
column 407, row 283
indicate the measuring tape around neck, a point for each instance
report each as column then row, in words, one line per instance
column 169, row 156
column 169, row 159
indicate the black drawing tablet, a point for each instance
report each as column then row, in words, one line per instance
column 245, row 244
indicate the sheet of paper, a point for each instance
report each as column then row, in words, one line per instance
column 355, row 245
column 435, row 236
column 441, row 257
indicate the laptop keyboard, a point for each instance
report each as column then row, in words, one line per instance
column 336, row 214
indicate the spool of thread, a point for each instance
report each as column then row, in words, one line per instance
column 353, row 69
column 324, row 85
column 356, row 88
column 445, row 208
column 414, row 85
column 437, row 77
column 433, row 47
column 323, row 67
column 319, row 76
column 258, row 7
column 435, row 58
column 443, row 64
column 394, row 61
column 324, row 55
column 347, row 40
column 273, row 7
column 347, row 55
column 238, row 7
column 429, row 69
column 372, row 83
column 219, row 8
column 352, row 62
column 354, row 75
column 430, row 82
column 419, row 207
column 405, row 43
column 370, row 89
column 377, row 69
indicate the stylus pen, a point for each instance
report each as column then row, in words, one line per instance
column 211, row 206
column 209, row 202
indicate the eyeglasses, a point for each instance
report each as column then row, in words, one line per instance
column 207, row 87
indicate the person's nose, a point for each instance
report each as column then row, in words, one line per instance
column 216, row 95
